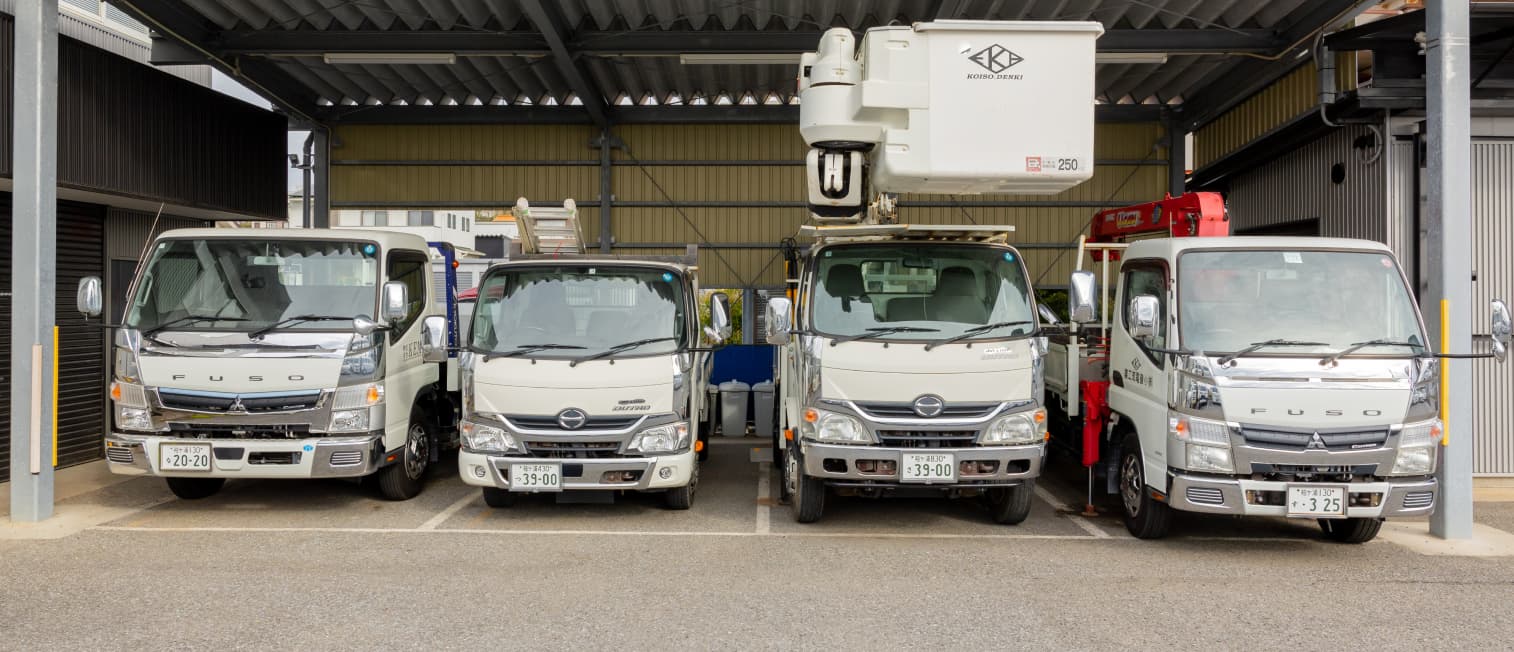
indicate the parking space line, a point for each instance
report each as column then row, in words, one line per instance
column 764, row 498
column 615, row 533
column 1062, row 507
column 452, row 509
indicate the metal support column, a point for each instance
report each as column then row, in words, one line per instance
column 34, row 269
column 1177, row 157
column 320, row 212
column 606, row 189
column 1449, row 95
column 306, row 168
column 749, row 316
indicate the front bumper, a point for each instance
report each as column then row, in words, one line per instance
column 837, row 464
column 1221, row 495
column 311, row 457
column 487, row 470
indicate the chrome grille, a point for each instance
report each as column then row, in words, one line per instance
column 927, row 439
column 347, row 458
column 573, row 449
column 1419, row 499
column 907, row 410
column 1206, row 496
column 119, row 455
column 1299, row 439
column 250, row 403
column 539, row 422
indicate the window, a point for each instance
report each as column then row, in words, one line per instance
column 409, row 268
column 421, row 218
column 1147, row 279
column 451, row 221
column 589, row 308
column 375, row 218
column 467, row 224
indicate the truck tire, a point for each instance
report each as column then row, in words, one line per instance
column 681, row 498
column 1011, row 505
column 405, row 478
column 1351, row 530
column 195, row 488
column 806, row 494
column 499, row 498
column 1145, row 517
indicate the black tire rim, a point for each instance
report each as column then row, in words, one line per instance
column 417, row 452
column 791, row 471
column 1131, row 484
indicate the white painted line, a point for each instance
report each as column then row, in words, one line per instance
column 1079, row 521
column 452, row 509
column 764, row 510
column 613, row 533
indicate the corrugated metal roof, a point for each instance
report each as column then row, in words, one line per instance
column 522, row 78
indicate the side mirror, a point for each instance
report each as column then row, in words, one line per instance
column 434, row 339
column 1500, row 331
column 364, row 325
column 91, row 298
column 1142, row 318
column 777, row 321
column 1047, row 315
column 396, row 301
column 1081, row 291
column 719, row 329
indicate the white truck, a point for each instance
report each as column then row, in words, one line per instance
column 584, row 374
column 910, row 358
column 1272, row 376
column 258, row 355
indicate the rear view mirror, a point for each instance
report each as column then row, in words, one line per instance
column 364, row 325
column 1500, row 331
column 1081, row 306
column 1142, row 318
column 719, row 329
column 777, row 321
column 396, row 301
column 1047, row 315
column 434, row 339
column 91, row 301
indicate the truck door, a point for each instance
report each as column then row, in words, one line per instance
column 405, row 373
column 1138, row 390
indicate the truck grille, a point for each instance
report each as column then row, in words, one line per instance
column 538, row 422
column 250, row 403
column 1299, row 439
column 907, row 410
column 914, row 439
column 239, row 431
column 573, row 449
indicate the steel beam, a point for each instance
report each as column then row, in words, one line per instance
column 34, row 264
column 1177, row 157
column 728, row 114
column 606, row 188
column 553, row 28
column 320, row 195
column 670, row 43
column 1448, row 90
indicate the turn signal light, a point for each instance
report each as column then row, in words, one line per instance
column 698, row 446
column 374, row 394
column 811, row 415
column 788, row 434
column 115, row 391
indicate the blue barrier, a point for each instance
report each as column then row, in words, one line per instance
column 750, row 364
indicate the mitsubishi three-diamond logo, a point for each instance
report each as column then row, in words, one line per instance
column 995, row 58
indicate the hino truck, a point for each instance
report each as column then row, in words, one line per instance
column 281, row 354
column 1271, row 376
column 910, row 355
column 584, row 374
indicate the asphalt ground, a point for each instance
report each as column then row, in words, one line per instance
column 326, row 565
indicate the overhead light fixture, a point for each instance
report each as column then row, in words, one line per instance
column 737, row 58
column 1157, row 58
column 393, row 58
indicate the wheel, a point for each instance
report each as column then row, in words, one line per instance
column 405, row 478
column 195, row 488
column 499, row 498
column 1145, row 517
column 683, row 497
column 1010, row 505
column 1351, row 530
column 806, row 494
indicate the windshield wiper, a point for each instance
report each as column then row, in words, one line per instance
column 624, row 346
column 1356, row 346
column 1256, row 346
column 186, row 320
column 290, row 321
column 883, row 330
column 976, row 330
column 528, row 348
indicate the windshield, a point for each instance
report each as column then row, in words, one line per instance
column 918, row 291
column 1229, row 300
column 581, row 308
column 254, row 283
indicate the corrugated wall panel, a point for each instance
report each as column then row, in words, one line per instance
column 463, row 142
column 127, row 231
column 1492, row 384
column 1298, row 186
column 414, row 186
column 1403, row 201
column 1293, row 95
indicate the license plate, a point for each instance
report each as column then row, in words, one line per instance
column 535, row 477
column 928, row 468
column 184, row 457
column 1316, row 501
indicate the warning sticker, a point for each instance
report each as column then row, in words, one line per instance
column 1032, row 164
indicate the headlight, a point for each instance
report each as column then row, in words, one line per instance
column 834, row 428
column 130, row 418
column 126, row 365
column 349, row 421
column 1416, row 448
column 1207, row 443
column 128, row 394
column 1424, row 396
column 1197, row 395
column 486, row 438
column 1016, row 429
column 669, row 438
column 358, row 396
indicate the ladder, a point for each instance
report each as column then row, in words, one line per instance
column 548, row 230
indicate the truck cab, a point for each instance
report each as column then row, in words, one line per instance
column 910, row 362
column 279, row 354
